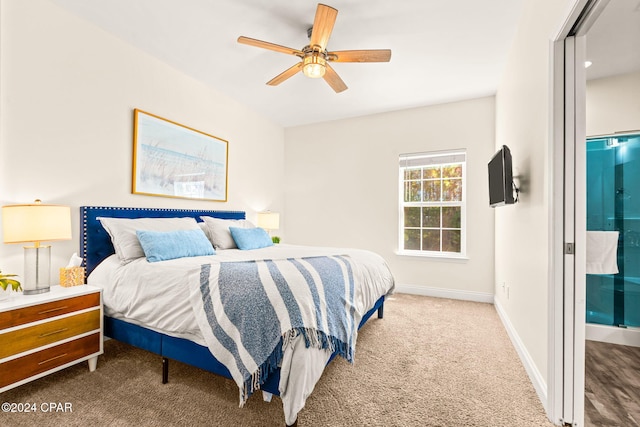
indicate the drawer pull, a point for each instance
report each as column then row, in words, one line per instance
column 52, row 310
column 57, row 331
column 53, row 358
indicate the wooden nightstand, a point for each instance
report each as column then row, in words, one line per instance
column 44, row 333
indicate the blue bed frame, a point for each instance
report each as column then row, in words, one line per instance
column 96, row 245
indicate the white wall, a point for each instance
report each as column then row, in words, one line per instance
column 613, row 104
column 342, row 187
column 67, row 94
column 522, row 231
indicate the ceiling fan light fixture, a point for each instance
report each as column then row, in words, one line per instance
column 313, row 66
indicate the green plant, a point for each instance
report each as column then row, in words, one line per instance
column 275, row 239
column 5, row 282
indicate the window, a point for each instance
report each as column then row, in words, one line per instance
column 432, row 204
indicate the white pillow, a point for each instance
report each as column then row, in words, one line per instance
column 218, row 231
column 123, row 232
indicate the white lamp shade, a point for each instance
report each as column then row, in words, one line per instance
column 36, row 223
column 269, row 220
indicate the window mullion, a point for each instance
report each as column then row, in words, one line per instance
column 421, row 230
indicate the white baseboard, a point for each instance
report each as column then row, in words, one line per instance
column 536, row 378
column 613, row 334
column 445, row 293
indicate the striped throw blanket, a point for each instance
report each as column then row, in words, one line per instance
column 252, row 309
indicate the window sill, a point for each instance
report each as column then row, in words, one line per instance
column 432, row 255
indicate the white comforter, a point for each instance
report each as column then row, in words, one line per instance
column 156, row 295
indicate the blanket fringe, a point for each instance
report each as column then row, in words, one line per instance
column 313, row 338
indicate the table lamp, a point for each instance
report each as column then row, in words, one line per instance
column 269, row 220
column 36, row 223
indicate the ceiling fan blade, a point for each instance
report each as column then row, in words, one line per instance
column 374, row 55
column 289, row 72
column 271, row 46
column 333, row 79
column 323, row 25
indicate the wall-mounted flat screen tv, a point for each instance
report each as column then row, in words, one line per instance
column 501, row 179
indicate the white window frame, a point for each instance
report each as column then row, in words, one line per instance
column 442, row 158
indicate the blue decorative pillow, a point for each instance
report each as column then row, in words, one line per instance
column 250, row 238
column 164, row 245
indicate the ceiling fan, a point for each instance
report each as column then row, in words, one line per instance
column 314, row 57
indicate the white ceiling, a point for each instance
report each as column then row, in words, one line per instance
column 442, row 50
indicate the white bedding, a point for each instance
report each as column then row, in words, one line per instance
column 156, row 295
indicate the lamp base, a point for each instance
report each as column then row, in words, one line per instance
column 35, row 291
column 37, row 270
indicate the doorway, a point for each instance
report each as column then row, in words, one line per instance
column 576, row 116
column 613, row 196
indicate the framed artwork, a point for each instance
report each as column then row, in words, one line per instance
column 172, row 160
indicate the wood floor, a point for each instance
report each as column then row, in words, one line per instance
column 612, row 385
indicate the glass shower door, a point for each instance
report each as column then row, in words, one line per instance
column 613, row 204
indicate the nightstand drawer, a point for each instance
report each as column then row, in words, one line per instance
column 47, row 310
column 42, row 361
column 36, row 336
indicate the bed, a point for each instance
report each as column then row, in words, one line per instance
column 147, row 329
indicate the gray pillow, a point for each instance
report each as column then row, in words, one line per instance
column 123, row 232
column 218, row 231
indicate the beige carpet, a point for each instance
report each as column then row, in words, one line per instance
column 429, row 362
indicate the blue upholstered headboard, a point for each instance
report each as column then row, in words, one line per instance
column 95, row 243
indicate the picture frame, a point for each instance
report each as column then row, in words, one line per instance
column 173, row 160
